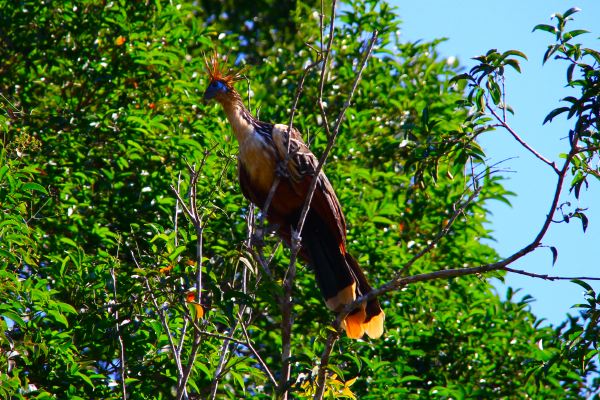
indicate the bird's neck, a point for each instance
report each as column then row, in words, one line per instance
column 239, row 117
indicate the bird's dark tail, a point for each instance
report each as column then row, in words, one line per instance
column 342, row 281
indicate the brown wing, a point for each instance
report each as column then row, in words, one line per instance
column 301, row 167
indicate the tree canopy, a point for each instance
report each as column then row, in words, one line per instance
column 119, row 194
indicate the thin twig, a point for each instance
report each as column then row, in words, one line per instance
column 515, row 135
column 325, row 62
column 215, row 383
column 287, row 321
column 120, row 338
column 163, row 319
column 183, row 379
column 458, row 211
column 400, row 281
column 248, row 343
column 551, row 277
column 191, row 210
column 502, row 81
column 334, row 133
column 299, row 90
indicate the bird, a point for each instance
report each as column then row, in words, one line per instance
column 268, row 151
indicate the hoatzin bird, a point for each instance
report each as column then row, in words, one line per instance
column 263, row 149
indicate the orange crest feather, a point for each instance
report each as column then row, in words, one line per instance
column 215, row 70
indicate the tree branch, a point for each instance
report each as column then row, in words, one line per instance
column 120, row 338
column 331, row 141
column 248, row 343
column 551, row 277
column 502, row 122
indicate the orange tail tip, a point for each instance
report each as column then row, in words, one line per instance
column 356, row 326
column 374, row 328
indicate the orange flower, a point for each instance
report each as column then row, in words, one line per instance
column 196, row 309
column 190, row 297
column 165, row 270
column 120, row 40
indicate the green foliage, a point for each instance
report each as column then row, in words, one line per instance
column 583, row 73
column 102, row 113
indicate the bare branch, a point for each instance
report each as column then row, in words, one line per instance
column 400, row 281
column 333, row 335
column 120, row 338
column 248, row 343
column 183, row 378
column 162, row 317
column 502, row 122
column 287, row 320
column 458, row 210
column 334, row 133
column 327, row 50
column 551, row 277
column 215, row 383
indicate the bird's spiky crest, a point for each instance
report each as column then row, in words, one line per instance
column 216, row 70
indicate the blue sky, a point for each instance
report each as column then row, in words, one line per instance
column 473, row 27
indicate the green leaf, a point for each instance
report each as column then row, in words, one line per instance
column 552, row 114
column 34, row 186
column 554, row 254
column 68, row 241
column 583, row 284
column 58, row 317
column 545, row 27
column 3, row 170
column 85, row 378
column 480, row 100
column 12, row 315
column 66, row 308
column 494, row 90
column 574, row 33
column 460, row 77
column 8, row 257
column 514, row 53
column 550, row 51
column 571, row 11
column 570, row 69
column 514, row 64
column 177, row 252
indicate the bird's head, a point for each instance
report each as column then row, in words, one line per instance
column 220, row 85
column 217, row 89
